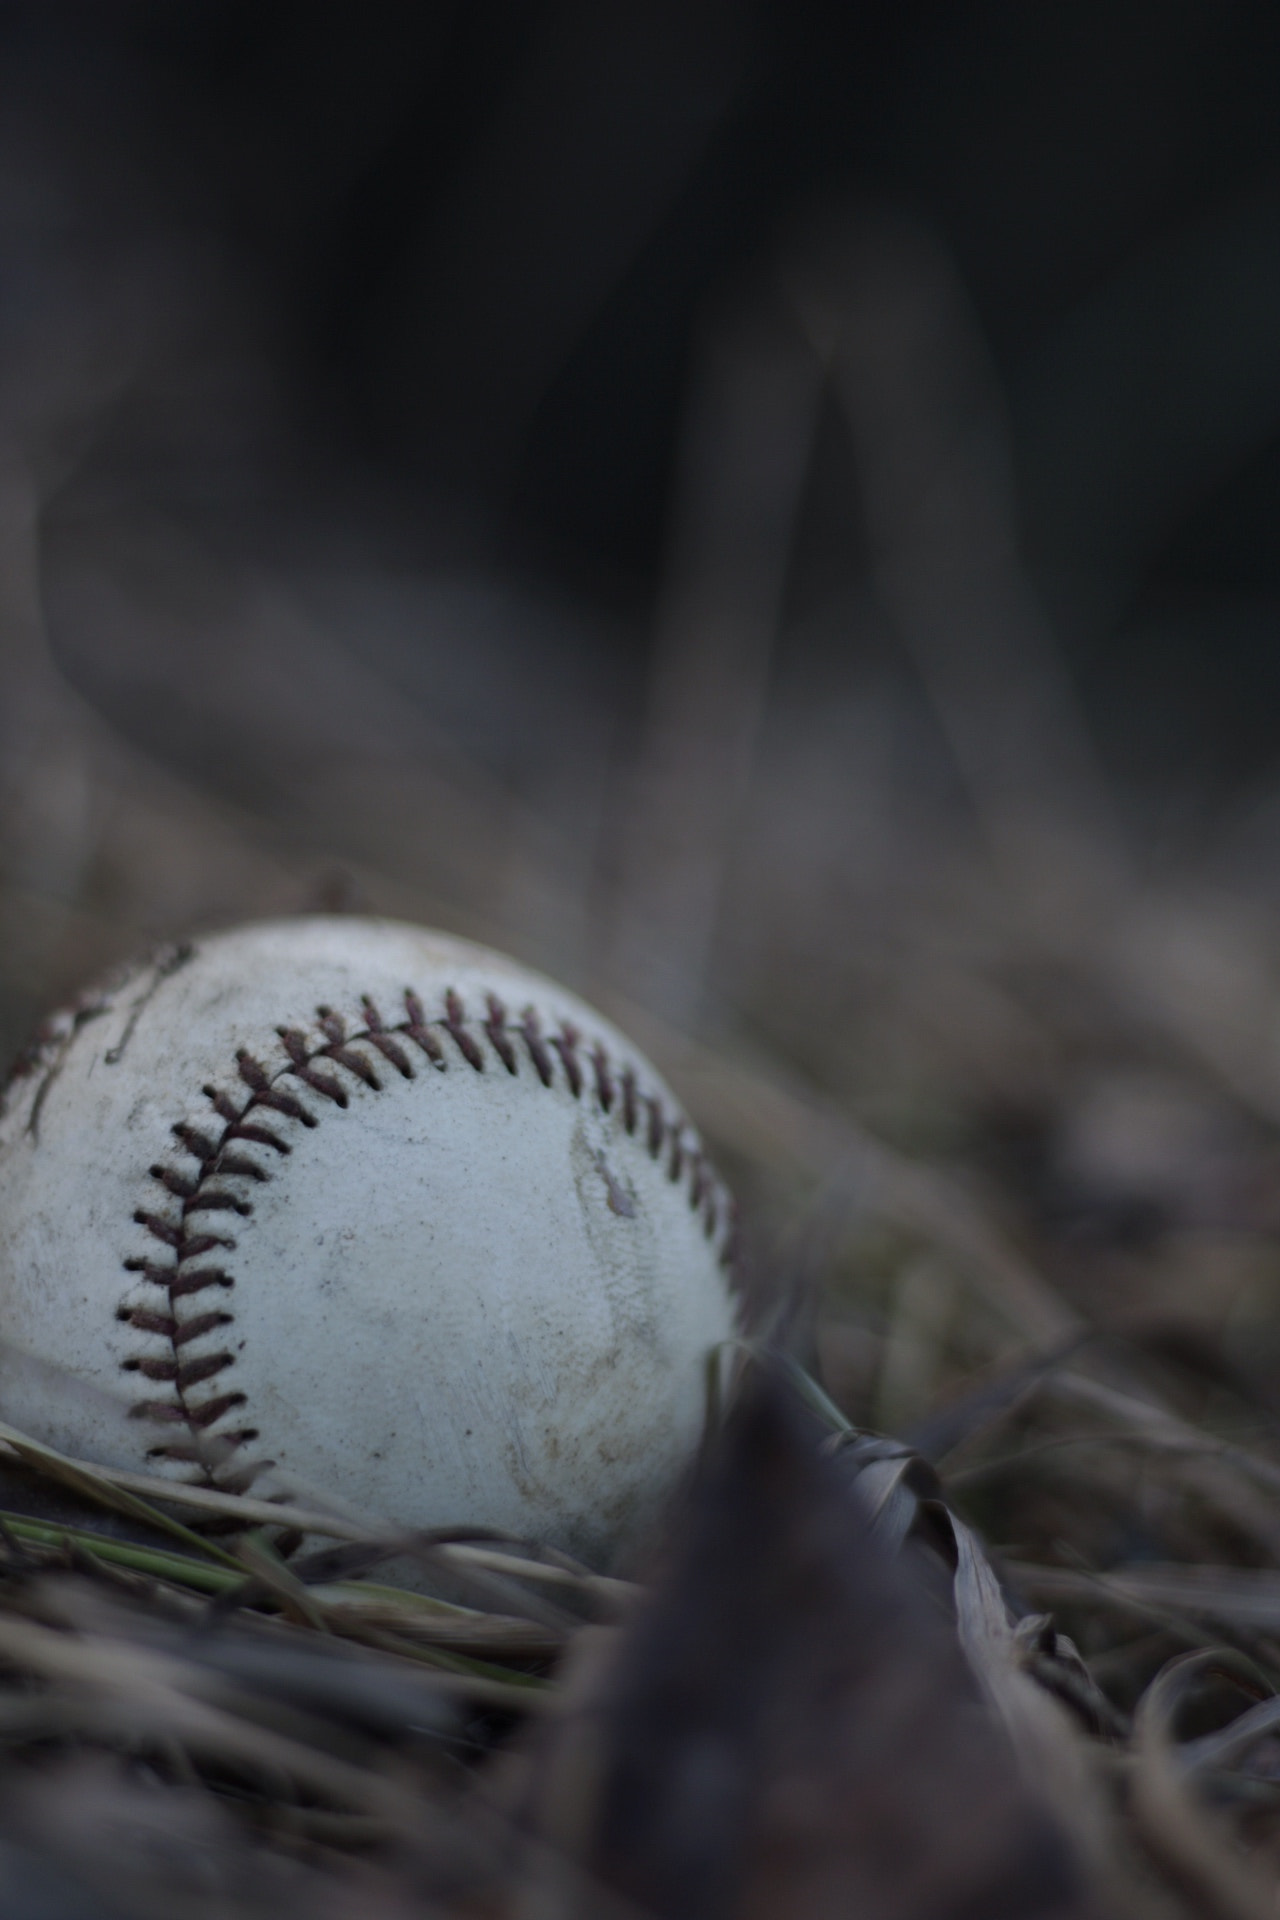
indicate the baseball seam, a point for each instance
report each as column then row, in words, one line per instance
column 186, row 1362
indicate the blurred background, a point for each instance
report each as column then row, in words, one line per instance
column 766, row 511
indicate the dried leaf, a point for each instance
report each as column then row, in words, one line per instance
column 787, row 1727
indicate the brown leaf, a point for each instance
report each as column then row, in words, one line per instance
column 788, row 1727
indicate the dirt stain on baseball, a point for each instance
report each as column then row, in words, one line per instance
column 620, row 1235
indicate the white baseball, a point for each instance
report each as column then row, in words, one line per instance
column 345, row 1204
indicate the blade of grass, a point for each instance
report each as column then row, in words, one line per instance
column 157, row 1693
column 201, row 1575
column 486, row 1672
column 229, row 1506
column 616, row 1594
column 92, row 1485
column 1179, row 1832
column 220, row 1582
column 266, row 1569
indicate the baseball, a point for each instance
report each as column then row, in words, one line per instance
column 341, row 1206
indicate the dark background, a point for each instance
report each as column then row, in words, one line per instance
column 467, row 249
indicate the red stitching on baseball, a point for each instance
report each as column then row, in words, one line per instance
column 630, row 1100
column 499, row 1039
column 216, row 1157
column 420, row 1033
column 605, row 1090
column 454, row 1024
column 566, row 1045
column 531, row 1032
column 657, row 1124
